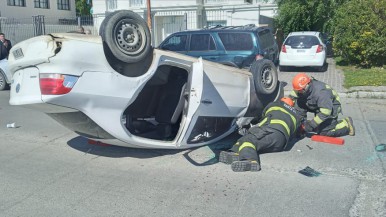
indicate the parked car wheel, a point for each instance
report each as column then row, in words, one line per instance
column 127, row 36
column 3, row 81
column 264, row 76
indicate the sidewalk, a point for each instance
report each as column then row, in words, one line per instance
column 333, row 77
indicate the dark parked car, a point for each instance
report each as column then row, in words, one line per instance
column 236, row 46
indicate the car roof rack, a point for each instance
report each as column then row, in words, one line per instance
column 221, row 27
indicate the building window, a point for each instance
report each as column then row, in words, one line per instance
column 64, row 5
column 41, row 4
column 112, row 4
column 136, row 3
column 20, row 3
column 215, row 1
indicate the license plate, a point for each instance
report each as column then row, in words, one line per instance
column 301, row 51
column 18, row 53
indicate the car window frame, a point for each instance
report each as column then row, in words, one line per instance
column 162, row 46
column 202, row 33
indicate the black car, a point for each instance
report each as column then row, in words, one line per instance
column 237, row 46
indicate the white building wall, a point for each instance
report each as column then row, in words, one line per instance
column 170, row 16
column 29, row 10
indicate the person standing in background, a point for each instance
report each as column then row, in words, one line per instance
column 5, row 47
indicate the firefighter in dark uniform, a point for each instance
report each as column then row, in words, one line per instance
column 278, row 124
column 314, row 96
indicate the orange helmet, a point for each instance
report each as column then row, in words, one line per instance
column 300, row 81
column 287, row 101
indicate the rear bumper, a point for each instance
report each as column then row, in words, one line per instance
column 317, row 60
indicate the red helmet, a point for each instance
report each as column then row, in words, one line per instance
column 300, row 81
column 287, row 101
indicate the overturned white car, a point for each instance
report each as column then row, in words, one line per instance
column 118, row 90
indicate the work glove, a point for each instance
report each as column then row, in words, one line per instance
column 309, row 126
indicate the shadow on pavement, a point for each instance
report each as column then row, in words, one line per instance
column 208, row 155
column 81, row 144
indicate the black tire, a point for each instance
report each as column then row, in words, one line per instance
column 127, row 36
column 264, row 76
column 3, row 81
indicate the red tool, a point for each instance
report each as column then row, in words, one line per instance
column 327, row 139
column 93, row 142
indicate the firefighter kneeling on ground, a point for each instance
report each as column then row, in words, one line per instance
column 311, row 95
column 279, row 123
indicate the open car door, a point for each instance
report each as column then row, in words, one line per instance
column 216, row 99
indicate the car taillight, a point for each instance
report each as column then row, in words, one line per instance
column 283, row 49
column 56, row 84
column 319, row 49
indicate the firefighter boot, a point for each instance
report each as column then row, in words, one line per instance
column 245, row 165
column 228, row 157
column 350, row 126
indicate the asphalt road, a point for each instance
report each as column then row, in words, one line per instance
column 46, row 170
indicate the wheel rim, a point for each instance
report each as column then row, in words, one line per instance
column 267, row 77
column 129, row 37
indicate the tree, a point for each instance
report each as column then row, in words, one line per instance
column 306, row 15
column 83, row 7
column 360, row 32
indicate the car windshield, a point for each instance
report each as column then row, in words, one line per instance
column 302, row 41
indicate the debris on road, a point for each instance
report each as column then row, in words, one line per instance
column 308, row 171
column 12, row 125
column 380, row 147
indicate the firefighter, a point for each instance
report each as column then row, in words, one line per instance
column 314, row 96
column 278, row 124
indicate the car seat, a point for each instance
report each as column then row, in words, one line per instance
column 171, row 105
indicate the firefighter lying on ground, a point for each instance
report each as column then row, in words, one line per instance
column 277, row 126
column 314, row 96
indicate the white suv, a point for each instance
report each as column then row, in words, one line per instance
column 303, row 49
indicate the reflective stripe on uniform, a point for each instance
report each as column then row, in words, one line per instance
column 341, row 125
column 262, row 122
column 318, row 120
column 247, row 145
column 294, row 94
column 325, row 111
column 284, row 124
column 337, row 98
column 276, row 108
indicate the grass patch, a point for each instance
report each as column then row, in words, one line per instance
column 363, row 77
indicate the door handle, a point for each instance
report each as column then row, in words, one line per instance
column 206, row 101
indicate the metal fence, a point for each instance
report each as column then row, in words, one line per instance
column 165, row 22
column 21, row 29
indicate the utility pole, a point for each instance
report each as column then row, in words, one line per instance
column 148, row 14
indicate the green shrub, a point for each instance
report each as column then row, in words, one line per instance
column 360, row 32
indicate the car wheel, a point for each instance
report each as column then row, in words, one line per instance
column 264, row 76
column 127, row 36
column 3, row 82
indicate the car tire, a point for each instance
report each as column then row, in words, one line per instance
column 127, row 36
column 3, row 81
column 264, row 76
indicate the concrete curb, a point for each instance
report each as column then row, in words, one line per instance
column 356, row 94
